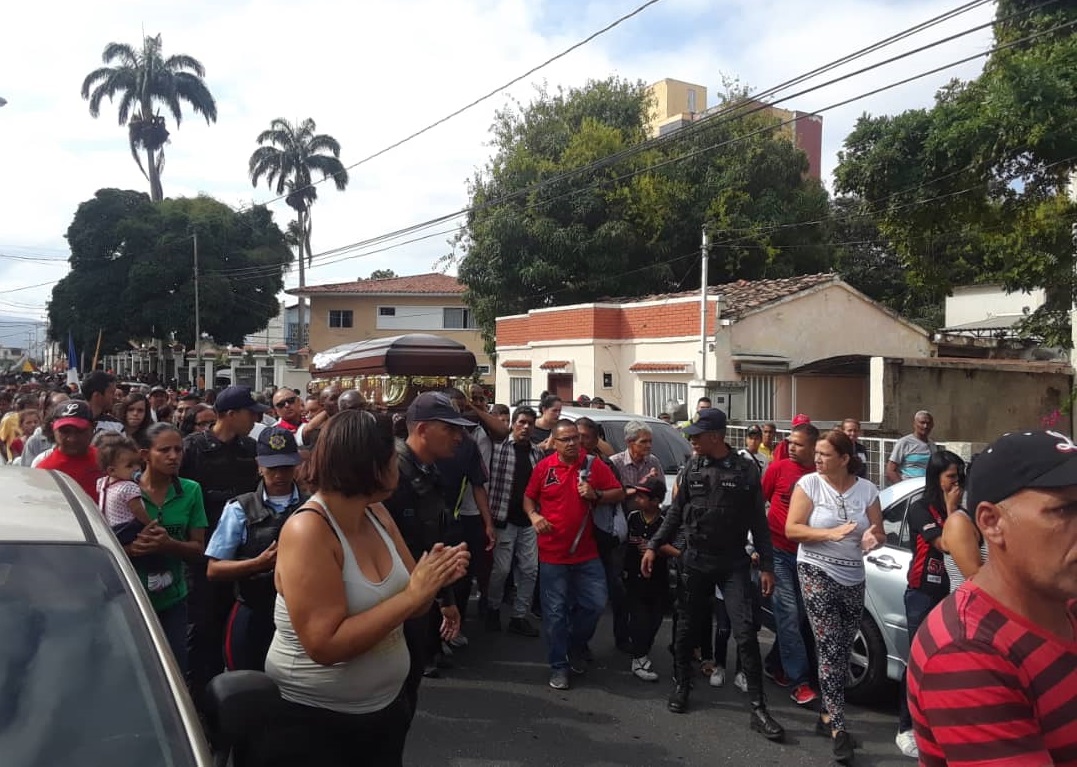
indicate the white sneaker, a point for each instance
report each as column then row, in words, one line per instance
column 740, row 681
column 641, row 667
column 906, row 743
column 718, row 677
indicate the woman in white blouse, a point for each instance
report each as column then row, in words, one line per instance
column 835, row 516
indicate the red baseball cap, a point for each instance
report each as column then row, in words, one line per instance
column 800, row 418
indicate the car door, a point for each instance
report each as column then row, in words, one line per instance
column 887, row 573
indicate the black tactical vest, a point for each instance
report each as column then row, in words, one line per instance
column 717, row 516
column 263, row 528
column 418, row 505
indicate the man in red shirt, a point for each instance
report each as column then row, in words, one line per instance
column 563, row 489
column 993, row 670
column 778, row 483
column 72, row 428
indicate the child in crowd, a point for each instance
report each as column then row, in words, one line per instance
column 29, row 420
column 648, row 598
column 120, row 499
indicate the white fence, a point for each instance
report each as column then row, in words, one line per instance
column 878, row 450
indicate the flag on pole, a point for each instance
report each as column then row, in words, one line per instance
column 72, row 360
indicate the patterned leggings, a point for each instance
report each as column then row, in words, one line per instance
column 834, row 611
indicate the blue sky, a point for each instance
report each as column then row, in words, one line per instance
column 375, row 73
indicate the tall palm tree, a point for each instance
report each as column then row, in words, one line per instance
column 288, row 157
column 142, row 78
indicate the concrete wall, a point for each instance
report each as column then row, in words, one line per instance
column 832, row 398
column 973, row 400
column 670, row 98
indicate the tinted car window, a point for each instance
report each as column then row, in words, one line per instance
column 80, row 681
column 667, row 445
column 894, row 520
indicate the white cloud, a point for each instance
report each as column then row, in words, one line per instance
column 370, row 74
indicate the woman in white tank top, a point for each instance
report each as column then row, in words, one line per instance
column 345, row 585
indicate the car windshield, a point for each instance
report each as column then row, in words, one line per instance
column 80, row 680
column 671, row 449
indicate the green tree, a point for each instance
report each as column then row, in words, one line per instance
column 974, row 189
column 288, row 158
column 132, row 274
column 536, row 236
column 143, row 79
column 382, row 274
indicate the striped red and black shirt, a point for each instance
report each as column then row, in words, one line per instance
column 988, row 688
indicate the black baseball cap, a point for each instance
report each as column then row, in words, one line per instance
column 435, row 406
column 158, row 390
column 755, row 431
column 655, row 487
column 1019, row 461
column 277, row 447
column 73, row 412
column 707, row 419
column 237, row 398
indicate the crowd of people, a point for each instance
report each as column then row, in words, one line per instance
column 336, row 548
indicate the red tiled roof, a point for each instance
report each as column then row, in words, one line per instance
column 433, row 283
column 661, row 367
column 554, row 364
column 744, row 296
column 516, row 364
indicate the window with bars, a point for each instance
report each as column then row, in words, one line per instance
column 340, row 318
column 760, row 398
column 519, row 389
column 657, row 396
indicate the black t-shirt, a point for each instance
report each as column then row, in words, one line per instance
column 520, row 477
column 927, row 572
column 539, row 435
column 640, row 528
column 466, row 463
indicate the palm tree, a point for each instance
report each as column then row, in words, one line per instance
column 288, row 157
column 141, row 79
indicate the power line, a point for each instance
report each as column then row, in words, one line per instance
column 615, row 23
column 734, row 111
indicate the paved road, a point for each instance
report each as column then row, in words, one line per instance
column 495, row 708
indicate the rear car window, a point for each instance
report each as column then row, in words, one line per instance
column 668, row 446
column 80, row 680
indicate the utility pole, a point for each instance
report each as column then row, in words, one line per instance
column 703, row 306
column 197, row 314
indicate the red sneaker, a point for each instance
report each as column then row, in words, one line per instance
column 803, row 694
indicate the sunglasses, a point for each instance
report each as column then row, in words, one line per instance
column 287, row 401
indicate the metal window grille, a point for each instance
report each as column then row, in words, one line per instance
column 760, row 395
column 658, row 394
column 519, row 389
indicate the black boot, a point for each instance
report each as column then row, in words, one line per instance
column 763, row 723
column 678, row 699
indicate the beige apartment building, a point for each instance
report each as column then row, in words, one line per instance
column 344, row 312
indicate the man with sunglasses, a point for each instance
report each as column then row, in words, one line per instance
column 288, row 408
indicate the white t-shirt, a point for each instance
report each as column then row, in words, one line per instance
column 842, row 560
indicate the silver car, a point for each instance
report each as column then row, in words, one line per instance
column 86, row 675
column 669, row 446
column 881, row 648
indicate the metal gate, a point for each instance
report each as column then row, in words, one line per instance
column 519, row 390
column 760, row 395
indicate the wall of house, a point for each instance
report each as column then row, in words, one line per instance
column 833, row 398
column 973, row 400
column 831, row 322
column 365, row 321
column 970, row 303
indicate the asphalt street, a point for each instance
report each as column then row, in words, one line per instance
column 495, row 708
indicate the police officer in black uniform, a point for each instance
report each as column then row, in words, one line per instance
column 718, row 501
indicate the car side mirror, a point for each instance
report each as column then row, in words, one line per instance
column 239, row 704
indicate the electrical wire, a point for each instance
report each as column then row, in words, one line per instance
column 348, row 250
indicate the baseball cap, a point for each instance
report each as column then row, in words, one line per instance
column 655, row 487
column 190, row 396
column 1022, row 460
column 435, row 406
column 707, row 419
column 277, row 447
column 237, row 398
column 755, row 431
column 158, row 389
column 74, row 412
column 800, row 418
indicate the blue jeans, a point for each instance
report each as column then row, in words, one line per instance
column 573, row 598
column 918, row 605
column 174, row 623
column 788, row 615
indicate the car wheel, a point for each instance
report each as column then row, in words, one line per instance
column 867, row 663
